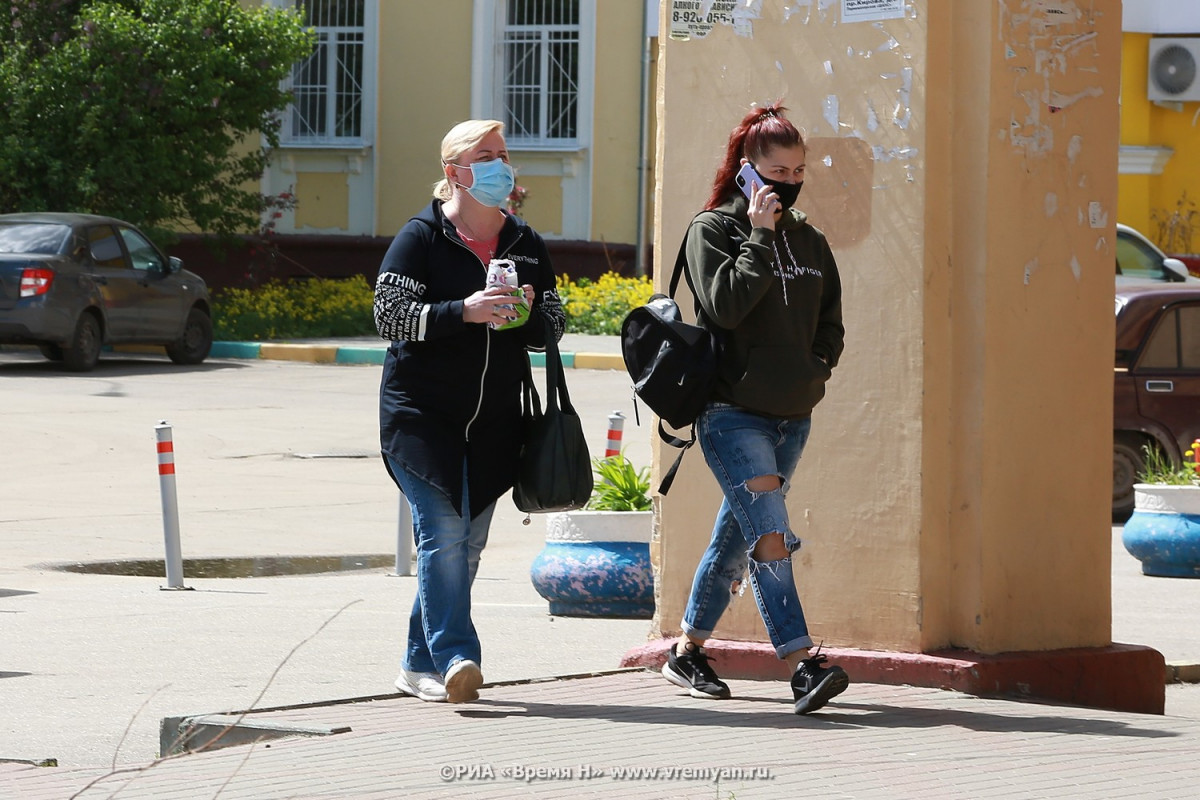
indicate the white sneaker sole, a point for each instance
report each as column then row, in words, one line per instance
column 405, row 687
column 683, row 683
column 463, row 682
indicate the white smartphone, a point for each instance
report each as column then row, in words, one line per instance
column 747, row 179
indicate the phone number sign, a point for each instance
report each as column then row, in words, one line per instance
column 695, row 18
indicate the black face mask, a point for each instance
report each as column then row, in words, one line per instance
column 786, row 192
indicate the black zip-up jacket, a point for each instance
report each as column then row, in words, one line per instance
column 450, row 388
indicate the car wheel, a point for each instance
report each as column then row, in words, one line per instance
column 193, row 346
column 83, row 351
column 1128, row 463
column 51, row 351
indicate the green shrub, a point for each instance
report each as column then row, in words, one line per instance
column 619, row 486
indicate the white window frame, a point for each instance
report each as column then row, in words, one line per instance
column 367, row 93
column 488, row 74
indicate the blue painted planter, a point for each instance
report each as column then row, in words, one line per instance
column 597, row 564
column 1164, row 531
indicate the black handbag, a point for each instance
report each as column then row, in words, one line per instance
column 554, row 471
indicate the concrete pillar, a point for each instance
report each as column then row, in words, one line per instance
column 954, row 500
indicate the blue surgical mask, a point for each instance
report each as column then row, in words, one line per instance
column 491, row 182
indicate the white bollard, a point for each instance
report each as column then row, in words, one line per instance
column 404, row 539
column 616, row 424
column 170, row 505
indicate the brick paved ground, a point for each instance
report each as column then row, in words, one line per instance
column 877, row 741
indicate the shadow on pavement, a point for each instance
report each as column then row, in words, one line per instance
column 876, row 716
column 33, row 365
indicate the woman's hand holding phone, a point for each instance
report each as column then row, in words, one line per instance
column 763, row 205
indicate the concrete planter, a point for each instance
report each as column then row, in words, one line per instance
column 1164, row 531
column 597, row 564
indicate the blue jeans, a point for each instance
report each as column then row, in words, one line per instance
column 739, row 446
column 440, row 631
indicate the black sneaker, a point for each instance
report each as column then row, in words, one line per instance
column 813, row 685
column 692, row 672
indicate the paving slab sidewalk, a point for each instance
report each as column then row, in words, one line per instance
column 631, row 735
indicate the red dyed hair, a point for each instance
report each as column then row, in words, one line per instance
column 759, row 131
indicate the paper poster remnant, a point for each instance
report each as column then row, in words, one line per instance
column 1097, row 216
column 871, row 10
column 696, row 18
column 832, row 112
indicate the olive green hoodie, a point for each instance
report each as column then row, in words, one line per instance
column 775, row 296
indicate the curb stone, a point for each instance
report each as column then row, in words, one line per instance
column 336, row 354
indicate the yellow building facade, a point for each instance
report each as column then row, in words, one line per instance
column 401, row 72
column 570, row 78
column 1160, row 133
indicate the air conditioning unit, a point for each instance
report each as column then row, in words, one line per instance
column 1174, row 69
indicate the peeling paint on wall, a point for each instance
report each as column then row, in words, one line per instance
column 695, row 19
column 879, row 118
column 1074, row 147
column 1052, row 49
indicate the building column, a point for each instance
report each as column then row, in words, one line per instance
column 954, row 500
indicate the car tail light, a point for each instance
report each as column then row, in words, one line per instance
column 36, row 281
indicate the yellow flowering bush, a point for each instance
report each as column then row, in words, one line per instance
column 305, row 309
column 600, row 306
column 324, row 307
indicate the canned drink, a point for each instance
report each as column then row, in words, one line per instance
column 503, row 272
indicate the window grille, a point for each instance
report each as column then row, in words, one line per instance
column 327, row 87
column 541, row 70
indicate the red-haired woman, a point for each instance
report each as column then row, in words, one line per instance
column 766, row 279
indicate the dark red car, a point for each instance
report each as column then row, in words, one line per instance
column 1156, row 386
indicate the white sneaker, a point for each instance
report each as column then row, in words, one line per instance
column 463, row 680
column 426, row 685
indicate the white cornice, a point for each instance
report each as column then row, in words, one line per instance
column 1161, row 16
column 1133, row 160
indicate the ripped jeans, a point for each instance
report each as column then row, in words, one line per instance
column 739, row 446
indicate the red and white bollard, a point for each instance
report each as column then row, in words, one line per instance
column 170, row 505
column 616, row 423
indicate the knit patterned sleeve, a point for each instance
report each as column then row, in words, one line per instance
column 552, row 307
column 399, row 313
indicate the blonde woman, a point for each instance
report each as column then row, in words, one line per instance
column 449, row 402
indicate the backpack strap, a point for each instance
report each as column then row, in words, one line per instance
column 680, row 270
column 674, row 441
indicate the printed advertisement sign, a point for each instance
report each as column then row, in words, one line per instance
column 871, row 10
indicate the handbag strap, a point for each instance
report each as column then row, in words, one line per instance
column 557, row 397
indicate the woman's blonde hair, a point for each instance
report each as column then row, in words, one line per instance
column 461, row 138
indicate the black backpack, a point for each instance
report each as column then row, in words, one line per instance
column 673, row 364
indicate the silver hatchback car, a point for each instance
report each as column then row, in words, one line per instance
column 71, row 283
